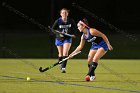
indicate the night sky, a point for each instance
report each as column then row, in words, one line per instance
column 123, row 14
column 22, row 22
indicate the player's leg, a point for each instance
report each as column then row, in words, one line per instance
column 90, row 59
column 66, row 48
column 100, row 53
column 60, row 52
column 90, row 56
column 59, row 44
column 60, row 55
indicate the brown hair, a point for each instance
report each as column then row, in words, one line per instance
column 85, row 21
column 65, row 9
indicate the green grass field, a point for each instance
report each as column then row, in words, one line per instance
column 112, row 76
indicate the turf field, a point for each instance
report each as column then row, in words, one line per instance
column 112, row 76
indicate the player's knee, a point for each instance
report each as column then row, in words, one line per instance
column 95, row 59
column 89, row 59
column 65, row 54
column 60, row 55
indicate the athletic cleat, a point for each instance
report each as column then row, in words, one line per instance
column 63, row 70
column 92, row 78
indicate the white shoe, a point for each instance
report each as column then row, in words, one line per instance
column 63, row 70
column 92, row 78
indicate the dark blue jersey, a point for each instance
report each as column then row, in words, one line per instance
column 91, row 38
column 68, row 27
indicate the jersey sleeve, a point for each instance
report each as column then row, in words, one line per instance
column 55, row 25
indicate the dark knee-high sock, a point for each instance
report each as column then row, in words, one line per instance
column 64, row 63
column 93, row 72
column 88, row 65
column 60, row 58
column 92, row 68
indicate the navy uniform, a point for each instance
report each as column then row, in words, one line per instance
column 68, row 27
column 97, row 42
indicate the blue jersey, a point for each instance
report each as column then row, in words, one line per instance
column 68, row 27
column 91, row 38
column 97, row 42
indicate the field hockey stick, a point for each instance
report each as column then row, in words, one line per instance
column 56, row 31
column 55, row 64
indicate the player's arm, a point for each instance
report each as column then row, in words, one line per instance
column 80, row 46
column 54, row 26
column 100, row 34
